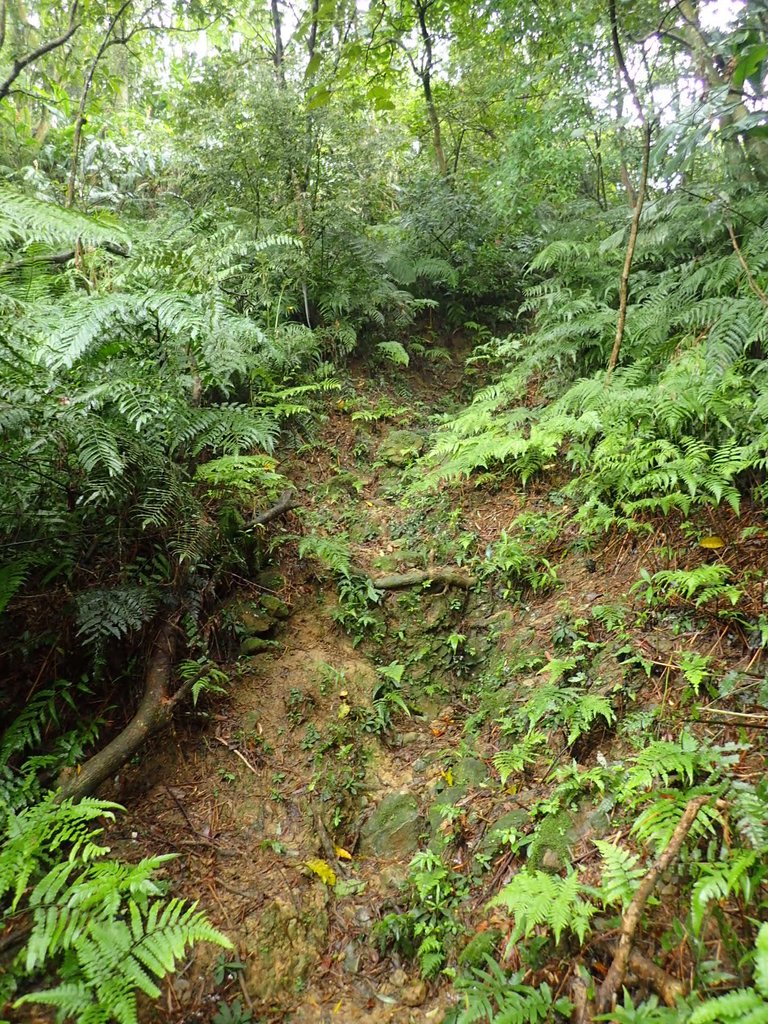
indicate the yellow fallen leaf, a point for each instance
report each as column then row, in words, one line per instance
column 322, row 869
column 344, row 710
column 448, row 776
column 342, row 854
column 712, row 543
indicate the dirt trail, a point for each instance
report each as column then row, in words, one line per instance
column 285, row 781
column 297, row 805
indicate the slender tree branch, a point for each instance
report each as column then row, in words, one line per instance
column 621, row 63
column 285, row 502
column 80, row 118
column 53, row 44
column 631, row 920
column 630, row 253
column 745, row 266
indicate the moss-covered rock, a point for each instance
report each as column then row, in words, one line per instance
column 255, row 645
column 400, row 447
column 274, row 607
column 270, row 579
column 248, row 619
column 394, row 828
column 283, row 943
column 470, row 771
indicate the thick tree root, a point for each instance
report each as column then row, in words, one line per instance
column 669, row 988
column 153, row 714
column 418, row 577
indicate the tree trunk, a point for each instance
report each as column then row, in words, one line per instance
column 630, row 254
column 278, row 52
column 642, row 188
column 426, row 84
column 434, row 120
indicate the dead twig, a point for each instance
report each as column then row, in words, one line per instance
column 237, row 753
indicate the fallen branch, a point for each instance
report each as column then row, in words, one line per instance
column 631, row 920
column 153, row 714
column 431, row 577
column 285, row 503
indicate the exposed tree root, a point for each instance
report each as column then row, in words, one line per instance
column 669, row 988
column 284, row 503
column 615, row 976
column 154, row 713
column 432, row 577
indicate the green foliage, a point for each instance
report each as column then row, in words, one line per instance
column 427, row 930
column 494, row 996
column 743, row 1004
column 676, row 426
column 105, row 927
column 536, row 898
column 701, row 585
column 621, row 874
column 513, row 561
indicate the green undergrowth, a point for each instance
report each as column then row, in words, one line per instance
column 590, row 729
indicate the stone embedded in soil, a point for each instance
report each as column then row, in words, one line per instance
column 512, row 820
column 394, row 828
column 470, row 771
column 407, row 993
column 400, row 446
column 248, row 619
column 270, row 579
